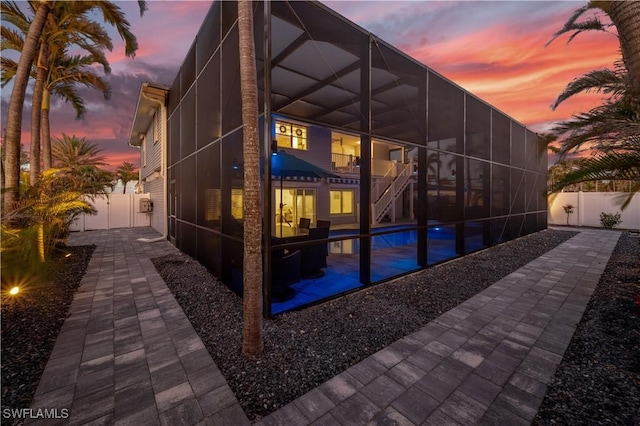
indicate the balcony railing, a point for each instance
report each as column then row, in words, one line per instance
column 345, row 163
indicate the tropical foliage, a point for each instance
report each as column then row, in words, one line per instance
column 72, row 151
column 126, row 172
column 50, row 206
column 610, row 133
column 41, row 216
column 55, row 28
column 558, row 178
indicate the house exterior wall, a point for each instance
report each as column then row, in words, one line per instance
column 151, row 170
column 152, row 151
column 478, row 173
column 155, row 189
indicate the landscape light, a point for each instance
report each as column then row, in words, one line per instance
column 14, row 290
column 67, row 255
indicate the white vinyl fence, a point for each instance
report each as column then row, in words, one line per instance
column 115, row 211
column 587, row 207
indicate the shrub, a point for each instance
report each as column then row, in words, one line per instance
column 609, row 220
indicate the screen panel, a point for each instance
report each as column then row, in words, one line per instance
column 500, row 137
column 209, row 103
column 478, row 128
column 445, row 115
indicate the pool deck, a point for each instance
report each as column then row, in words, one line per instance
column 127, row 354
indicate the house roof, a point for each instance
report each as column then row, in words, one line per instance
column 150, row 97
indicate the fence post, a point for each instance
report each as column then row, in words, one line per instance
column 580, row 209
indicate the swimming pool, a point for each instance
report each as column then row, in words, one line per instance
column 395, row 239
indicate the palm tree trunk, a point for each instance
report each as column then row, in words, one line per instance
column 252, row 268
column 16, row 103
column 46, row 130
column 36, row 114
column 625, row 15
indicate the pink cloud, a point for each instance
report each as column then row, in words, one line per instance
column 493, row 49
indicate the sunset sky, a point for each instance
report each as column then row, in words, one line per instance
column 494, row 49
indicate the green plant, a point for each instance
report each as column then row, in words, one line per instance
column 609, row 220
column 48, row 207
column 126, row 172
column 568, row 209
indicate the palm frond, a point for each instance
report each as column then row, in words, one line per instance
column 113, row 15
column 604, row 81
column 592, row 23
column 68, row 93
column 9, row 68
column 610, row 166
column 11, row 13
column 11, row 40
column 606, row 127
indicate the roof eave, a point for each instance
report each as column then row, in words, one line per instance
column 150, row 96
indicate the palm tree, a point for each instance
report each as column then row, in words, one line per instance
column 14, row 114
column 49, row 206
column 72, row 151
column 252, row 269
column 611, row 130
column 126, row 172
column 607, row 126
column 81, row 159
column 55, row 71
column 111, row 13
column 624, row 15
column 62, row 80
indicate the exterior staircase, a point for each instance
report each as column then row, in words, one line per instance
column 388, row 189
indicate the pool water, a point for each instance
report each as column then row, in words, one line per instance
column 402, row 238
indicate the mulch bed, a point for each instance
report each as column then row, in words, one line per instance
column 31, row 321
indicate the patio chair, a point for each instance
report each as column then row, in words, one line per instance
column 324, row 224
column 305, row 223
column 314, row 257
column 285, row 272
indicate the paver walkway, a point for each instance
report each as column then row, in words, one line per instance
column 128, row 355
column 488, row 361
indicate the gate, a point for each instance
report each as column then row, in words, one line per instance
column 114, row 211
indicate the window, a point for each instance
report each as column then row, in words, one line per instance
column 342, row 202
column 237, row 197
column 212, row 203
column 291, row 135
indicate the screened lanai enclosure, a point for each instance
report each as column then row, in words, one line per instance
column 395, row 167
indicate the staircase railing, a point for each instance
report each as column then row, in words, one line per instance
column 383, row 183
column 384, row 202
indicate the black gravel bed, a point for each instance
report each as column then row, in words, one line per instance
column 598, row 380
column 305, row 348
column 31, row 321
